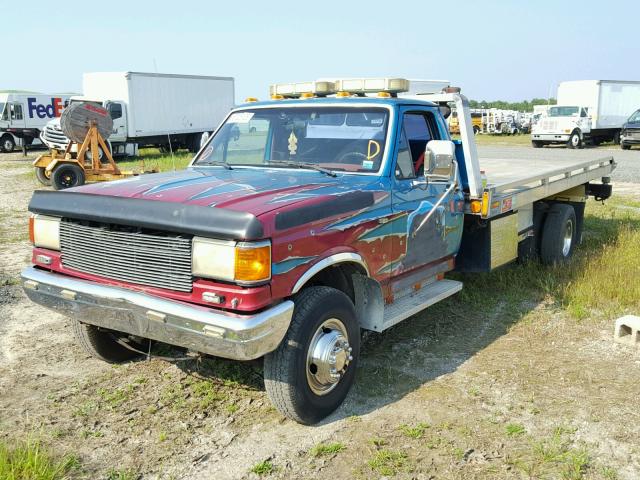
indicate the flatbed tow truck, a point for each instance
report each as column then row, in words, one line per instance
column 336, row 207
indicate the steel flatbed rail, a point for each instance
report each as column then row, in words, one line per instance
column 515, row 182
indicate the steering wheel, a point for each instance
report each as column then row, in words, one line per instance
column 358, row 156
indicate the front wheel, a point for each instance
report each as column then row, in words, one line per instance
column 309, row 375
column 574, row 140
column 107, row 345
column 8, row 144
column 624, row 146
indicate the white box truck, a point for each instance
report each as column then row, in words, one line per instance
column 23, row 116
column 153, row 109
column 587, row 111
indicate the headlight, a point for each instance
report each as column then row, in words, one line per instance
column 45, row 231
column 240, row 262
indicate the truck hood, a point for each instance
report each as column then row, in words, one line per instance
column 251, row 190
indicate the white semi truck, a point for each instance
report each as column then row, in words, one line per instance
column 587, row 111
column 152, row 109
column 23, row 115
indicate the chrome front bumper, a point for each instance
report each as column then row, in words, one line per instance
column 202, row 329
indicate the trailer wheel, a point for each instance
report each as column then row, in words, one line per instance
column 574, row 140
column 8, row 143
column 309, row 375
column 43, row 177
column 67, row 175
column 476, row 130
column 559, row 234
column 537, row 144
column 104, row 344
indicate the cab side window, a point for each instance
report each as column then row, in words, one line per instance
column 404, row 165
column 583, row 112
column 418, row 128
column 16, row 111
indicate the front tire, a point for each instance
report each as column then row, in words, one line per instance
column 309, row 375
column 67, row 175
column 624, row 146
column 7, row 143
column 103, row 344
column 559, row 235
column 574, row 140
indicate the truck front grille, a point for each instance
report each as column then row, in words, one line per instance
column 154, row 259
column 54, row 135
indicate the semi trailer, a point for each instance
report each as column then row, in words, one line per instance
column 333, row 214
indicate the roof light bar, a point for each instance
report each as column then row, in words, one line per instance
column 351, row 86
column 295, row 90
column 373, row 85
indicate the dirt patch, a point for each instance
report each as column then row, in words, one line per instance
column 497, row 382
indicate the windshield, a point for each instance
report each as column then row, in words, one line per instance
column 350, row 139
column 563, row 111
column 3, row 114
column 635, row 118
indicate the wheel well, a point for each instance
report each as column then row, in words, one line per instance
column 338, row 276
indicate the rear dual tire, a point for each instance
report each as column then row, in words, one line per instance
column 559, row 235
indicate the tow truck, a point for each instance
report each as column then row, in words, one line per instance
column 335, row 207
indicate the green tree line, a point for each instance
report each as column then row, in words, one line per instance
column 523, row 106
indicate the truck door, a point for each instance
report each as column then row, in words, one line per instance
column 118, row 114
column 437, row 240
column 16, row 115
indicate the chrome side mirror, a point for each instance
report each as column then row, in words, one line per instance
column 439, row 157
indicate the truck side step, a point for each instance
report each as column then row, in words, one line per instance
column 418, row 301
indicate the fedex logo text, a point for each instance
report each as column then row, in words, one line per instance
column 54, row 109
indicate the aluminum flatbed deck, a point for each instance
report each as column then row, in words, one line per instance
column 516, row 182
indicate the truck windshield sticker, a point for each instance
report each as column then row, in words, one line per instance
column 240, row 117
column 293, row 144
column 368, row 164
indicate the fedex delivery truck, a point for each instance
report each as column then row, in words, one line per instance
column 23, row 116
column 153, row 109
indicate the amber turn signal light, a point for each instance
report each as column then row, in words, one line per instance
column 253, row 264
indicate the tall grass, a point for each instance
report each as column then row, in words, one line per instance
column 152, row 159
column 29, row 460
column 602, row 280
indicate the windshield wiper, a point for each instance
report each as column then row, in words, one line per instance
column 312, row 166
column 215, row 162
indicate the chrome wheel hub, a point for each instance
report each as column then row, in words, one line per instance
column 328, row 356
column 568, row 239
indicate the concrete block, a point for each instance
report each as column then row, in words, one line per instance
column 628, row 330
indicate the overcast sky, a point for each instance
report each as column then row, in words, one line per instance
column 493, row 49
